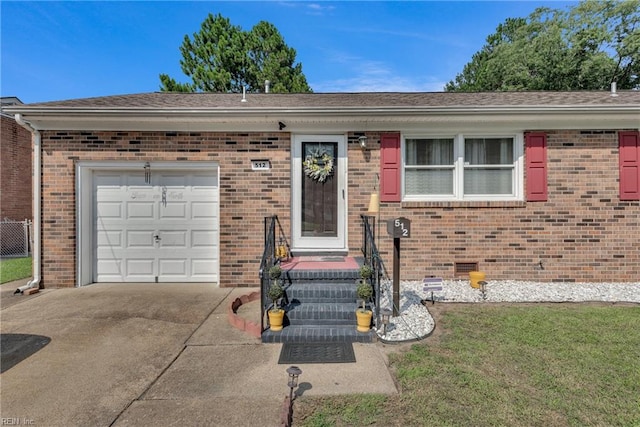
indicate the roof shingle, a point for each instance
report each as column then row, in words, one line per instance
column 187, row 101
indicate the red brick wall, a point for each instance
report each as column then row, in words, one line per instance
column 15, row 166
column 582, row 233
column 246, row 196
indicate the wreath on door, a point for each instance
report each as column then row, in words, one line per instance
column 318, row 165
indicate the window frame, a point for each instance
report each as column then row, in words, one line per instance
column 459, row 167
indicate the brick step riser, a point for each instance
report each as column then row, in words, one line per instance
column 309, row 321
column 321, row 282
column 315, row 275
column 321, row 322
column 317, row 293
column 318, row 334
column 321, row 313
column 321, row 300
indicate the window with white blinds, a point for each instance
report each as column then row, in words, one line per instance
column 462, row 167
column 429, row 166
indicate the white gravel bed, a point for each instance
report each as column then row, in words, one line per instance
column 415, row 322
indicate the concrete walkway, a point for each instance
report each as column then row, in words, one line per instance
column 156, row 354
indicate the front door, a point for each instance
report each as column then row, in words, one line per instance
column 319, row 193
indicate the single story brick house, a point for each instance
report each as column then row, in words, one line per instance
column 174, row 187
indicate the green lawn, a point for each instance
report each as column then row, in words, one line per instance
column 14, row 268
column 507, row 365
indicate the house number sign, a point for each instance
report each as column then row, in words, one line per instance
column 260, row 165
column 399, row 227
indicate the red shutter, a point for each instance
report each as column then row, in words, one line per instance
column 629, row 165
column 536, row 160
column 390, row 164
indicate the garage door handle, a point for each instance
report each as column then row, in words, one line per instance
column 156, row 238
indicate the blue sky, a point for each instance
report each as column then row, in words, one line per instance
column 57, row 50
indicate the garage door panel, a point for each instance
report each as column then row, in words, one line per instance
column 110, row 210
column 204, row 268
column 179, row 207
column 110, row 271
column 111, row 266
column 173, row 239
column 140, row 239
column 108, row 180
column 110, row 239
column 174, row 210
column 204, row 210
column 141, row 210
column 136, row 181
column 173, row 267
column 203, row 239
column 170, row 180
column 140, row 267
column 199, row 180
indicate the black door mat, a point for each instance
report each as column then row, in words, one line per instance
column 338, row 352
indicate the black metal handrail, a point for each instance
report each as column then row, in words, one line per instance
column 273, row 253
column 268, row 260
column 372, row 259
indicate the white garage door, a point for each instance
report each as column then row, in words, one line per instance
column 165, row 230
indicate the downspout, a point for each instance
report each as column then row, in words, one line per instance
column 34, row 283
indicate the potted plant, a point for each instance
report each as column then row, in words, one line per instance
column 275, row 272
column 364, row 292
column 275, row 294
column 366, row 272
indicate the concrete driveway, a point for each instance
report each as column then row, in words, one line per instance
column 154, row 354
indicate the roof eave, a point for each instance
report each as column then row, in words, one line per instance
column 356, row 110
column 354, row 118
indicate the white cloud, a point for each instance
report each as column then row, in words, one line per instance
column 317, row 9
column 312, row 8
column 375, row 76
column 368, row 84
column 445, row 40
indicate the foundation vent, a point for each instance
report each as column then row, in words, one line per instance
column 463, row 268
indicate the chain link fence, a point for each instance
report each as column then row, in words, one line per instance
column 15, row 238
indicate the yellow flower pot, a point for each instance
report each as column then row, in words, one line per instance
column 276, row 319
column 475, row 277
column 363, row 318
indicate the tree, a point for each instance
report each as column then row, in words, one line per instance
column 222, row 57
column 584, row 48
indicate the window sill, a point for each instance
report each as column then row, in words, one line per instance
column 465, row 204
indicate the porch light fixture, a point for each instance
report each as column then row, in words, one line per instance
column 281, row 125
column 363, row 142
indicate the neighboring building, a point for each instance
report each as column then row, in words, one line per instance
column 15, row 167
column 174, row 187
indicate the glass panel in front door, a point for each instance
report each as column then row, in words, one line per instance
column 320, row 199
